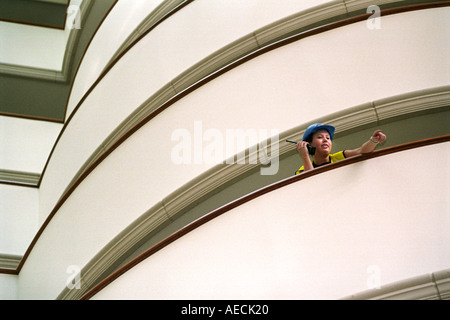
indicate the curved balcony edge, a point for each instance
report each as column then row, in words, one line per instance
column 405, row 105
column 163, row 99
column 92, row 269
column 266, row 39
column 432, row 286
column 173, row 204
column 337, row 117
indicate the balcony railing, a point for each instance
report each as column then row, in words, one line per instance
column 395, row 150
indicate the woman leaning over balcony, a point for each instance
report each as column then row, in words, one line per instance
column 320, row 136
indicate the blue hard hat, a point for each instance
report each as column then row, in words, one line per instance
column 317, row 126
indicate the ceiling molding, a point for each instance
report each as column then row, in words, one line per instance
column 434, row 286
column 55, row 1
column 42, row 13
column 68, row 60
column 9, row 261
column 30, row 72
column 26, row 179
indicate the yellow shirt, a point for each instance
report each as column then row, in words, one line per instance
column 333, row 158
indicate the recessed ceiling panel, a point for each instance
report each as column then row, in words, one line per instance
column 30, row 92
column 45, row 13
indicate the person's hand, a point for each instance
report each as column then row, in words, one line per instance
column 302, row 148
column 378, row 137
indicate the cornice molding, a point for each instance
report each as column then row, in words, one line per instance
column 30, row 72
column 305, row 20
column 55, row 1
column 69, row 55
column 405, row 104
column 9, row 261
column 433, row 286
column 27, row 179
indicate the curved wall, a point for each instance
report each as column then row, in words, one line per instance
column 146, row 68
column 121, row 21
column 263, row 93
column 192, row 25
column 301, row 78
column 325, row 237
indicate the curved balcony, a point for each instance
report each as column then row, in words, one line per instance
column 133, row 91
column 142, row 78
column 358, row 224
column 110, row 184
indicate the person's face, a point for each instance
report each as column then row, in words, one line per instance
column 322, row 141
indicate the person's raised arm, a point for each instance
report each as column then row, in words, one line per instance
column 367, row 146
column 303, row 150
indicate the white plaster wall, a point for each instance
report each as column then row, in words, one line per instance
column 45, row 46
column 8, row 287
column 325, row 237
column 18, row 218
column 279, row 90
column 27, row 143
